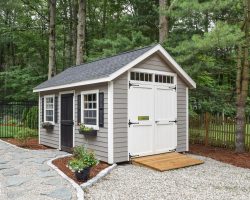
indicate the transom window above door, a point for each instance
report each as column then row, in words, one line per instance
column 155, row 76
column 90, row 108
column 49, row 109
column 141, row 76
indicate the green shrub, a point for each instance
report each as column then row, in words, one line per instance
column 24, row 135
column 31, row 118
column 12, row 121
column 82, row 158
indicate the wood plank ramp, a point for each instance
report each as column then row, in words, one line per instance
column 166, row 161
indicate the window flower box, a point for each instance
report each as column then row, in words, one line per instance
column 87, row 131
column 47, row 125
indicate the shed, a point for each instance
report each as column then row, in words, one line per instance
column 137, row 102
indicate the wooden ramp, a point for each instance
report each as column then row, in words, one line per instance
column 166, row 161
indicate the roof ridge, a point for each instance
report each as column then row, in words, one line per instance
column 124, row 52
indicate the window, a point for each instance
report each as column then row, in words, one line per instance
column 139, row 76
column 164, row 79
column 90, row 108
column 49, row 109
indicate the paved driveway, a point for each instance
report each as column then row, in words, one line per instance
column 24, row 175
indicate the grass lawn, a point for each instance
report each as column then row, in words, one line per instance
column 9, row 131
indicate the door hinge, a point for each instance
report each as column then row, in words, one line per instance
column 130, row 123
column 175, row 121
column 173, row 88
column 131, row 84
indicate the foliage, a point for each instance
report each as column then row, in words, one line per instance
column 85, row 128
column 83, row 158
column 31, row 118
column 24, row 134
column 47, row 125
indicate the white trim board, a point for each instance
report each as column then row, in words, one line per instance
column 158, row 48
column 110, row 122
column 187, row 121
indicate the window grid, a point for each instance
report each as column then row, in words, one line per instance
column 147, row 77
column 49, row 109
column 164, row 79
column 90, row 109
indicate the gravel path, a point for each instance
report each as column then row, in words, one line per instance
column 211, row 181
column 25, row 175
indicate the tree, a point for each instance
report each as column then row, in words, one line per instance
column 242, row 81
column 52, row 38
column 163, row 21
column 81, row 32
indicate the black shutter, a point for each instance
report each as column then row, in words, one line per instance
column 101, row 109
column 79, row 109
column 56, row 109
column 42, row 109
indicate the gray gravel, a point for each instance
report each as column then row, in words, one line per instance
column 212, row 180
column 25, row 175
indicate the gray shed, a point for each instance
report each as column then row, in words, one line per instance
column 136, row 101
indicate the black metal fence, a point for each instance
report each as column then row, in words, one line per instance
column 18, row 118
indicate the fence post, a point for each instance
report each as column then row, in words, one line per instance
column 206, row 128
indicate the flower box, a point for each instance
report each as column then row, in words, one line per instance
column 47, row 125
column 88, row 133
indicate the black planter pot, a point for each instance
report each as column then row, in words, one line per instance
column 83, row 175
column 89, row 133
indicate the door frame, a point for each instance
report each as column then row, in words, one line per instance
column 154, row 84
column 59, row 117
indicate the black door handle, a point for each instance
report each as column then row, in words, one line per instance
column 130, row 123
column 175, row 121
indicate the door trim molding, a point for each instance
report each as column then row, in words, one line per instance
column 110, row 122
column 59, row 115
column 187, row 121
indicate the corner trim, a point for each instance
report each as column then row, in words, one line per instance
column 39, row 118
column 187, row 121
column 110, row 122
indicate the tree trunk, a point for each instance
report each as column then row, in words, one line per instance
column 74, row 30
column 163, row 20
column 52, row 38
column 80, row 31
column 242, row 84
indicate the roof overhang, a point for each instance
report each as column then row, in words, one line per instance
column 158, row 48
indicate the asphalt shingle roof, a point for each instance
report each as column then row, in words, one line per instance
column 101, row 68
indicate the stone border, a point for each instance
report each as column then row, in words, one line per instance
column 80, row 193
column 99, row 176
column 15, row 146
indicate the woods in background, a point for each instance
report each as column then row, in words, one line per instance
column 204, row 36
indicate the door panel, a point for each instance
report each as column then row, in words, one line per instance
column 141, row 111
column 165, row 112
column 67, row 123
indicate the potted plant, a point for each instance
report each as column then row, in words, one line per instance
column 87, row 130
column 48, row 125
column 82, row 162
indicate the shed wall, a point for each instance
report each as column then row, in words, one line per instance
column 154, row 62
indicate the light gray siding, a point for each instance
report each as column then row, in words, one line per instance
column 121, row 118
column 121, row 108
column 50, row 138
column 98, row 144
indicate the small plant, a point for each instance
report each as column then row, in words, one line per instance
column 47, row 125
column 24, row 135
column 13, row 122
column 84, row 128
column 82, row 162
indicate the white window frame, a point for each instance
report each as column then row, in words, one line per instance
column 96, row 127
column 44, row 108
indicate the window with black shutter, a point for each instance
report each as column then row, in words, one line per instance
column 56, row 109
column 79, row 109
column 42, row 109
column 101, row 109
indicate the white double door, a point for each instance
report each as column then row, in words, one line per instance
column 152, row 118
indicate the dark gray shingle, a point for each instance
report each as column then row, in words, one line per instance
column 94, row 70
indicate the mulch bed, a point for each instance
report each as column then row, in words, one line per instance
column 223, row 155
column 31, row 144
column 61, row 163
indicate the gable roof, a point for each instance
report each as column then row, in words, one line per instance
column 107, row 69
